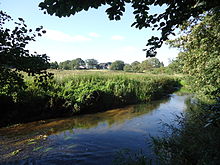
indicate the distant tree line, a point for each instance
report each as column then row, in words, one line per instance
column 79, row 64
column 148, row 64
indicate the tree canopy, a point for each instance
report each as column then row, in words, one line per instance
column 117, row 65
column 14, row 58
column 72, row 64
column 199, row 57
column 91, row 63
column 54, row 65
column 76, row 63
column 175, row 14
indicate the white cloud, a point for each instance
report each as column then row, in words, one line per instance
column 92, row 34
column 68, row 51
column 63, row 37
column 117, row 37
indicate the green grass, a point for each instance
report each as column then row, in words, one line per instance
column 82, row 89
column 74, row 92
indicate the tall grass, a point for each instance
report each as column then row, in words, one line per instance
column 196, row 141
column 101, row 90
column 88, row 91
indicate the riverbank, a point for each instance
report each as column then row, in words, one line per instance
column 91, row 138
column 196, row 139
column 71, row 94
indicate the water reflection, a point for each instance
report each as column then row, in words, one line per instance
column 86, row 139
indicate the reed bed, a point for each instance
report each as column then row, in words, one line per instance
column 77, row 92
column 97, row 90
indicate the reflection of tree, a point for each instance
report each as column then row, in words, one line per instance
column 192, row 107
column 34, row 136
column 115, row 116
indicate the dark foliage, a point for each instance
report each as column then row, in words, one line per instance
column 175, row 14
column 14, row 58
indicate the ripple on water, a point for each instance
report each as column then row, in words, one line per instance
column 88, row 139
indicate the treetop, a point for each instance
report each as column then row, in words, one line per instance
column 176, row 13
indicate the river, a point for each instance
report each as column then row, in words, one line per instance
column 91, row 139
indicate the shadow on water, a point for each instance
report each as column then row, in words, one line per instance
column 86, row 139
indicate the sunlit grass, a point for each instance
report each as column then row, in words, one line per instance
column 66, row 74
column 89, row 91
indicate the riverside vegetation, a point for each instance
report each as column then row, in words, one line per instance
column 196, row 140
column 80, row 92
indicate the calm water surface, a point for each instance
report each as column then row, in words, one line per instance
column 91, row 139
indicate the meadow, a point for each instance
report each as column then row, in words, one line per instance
column 79, row 92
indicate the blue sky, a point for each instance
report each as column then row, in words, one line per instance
column 86, row 35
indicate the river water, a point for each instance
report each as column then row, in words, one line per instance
column 91, row 139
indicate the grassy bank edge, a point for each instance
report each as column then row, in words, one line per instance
column 83, row 93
